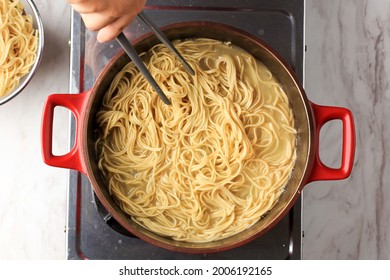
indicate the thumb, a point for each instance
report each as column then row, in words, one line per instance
column 112, row 30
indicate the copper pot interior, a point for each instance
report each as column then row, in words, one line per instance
column 298, row 102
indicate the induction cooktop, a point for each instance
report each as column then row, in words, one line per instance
column 91, row 231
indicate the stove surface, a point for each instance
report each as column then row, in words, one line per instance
column 91, row 231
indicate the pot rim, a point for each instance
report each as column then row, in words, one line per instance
column 191, row 247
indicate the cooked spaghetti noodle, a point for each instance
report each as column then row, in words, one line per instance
column 211, row 164
column 18, row 44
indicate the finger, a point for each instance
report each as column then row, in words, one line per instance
column 87, row 7
column 112, row 30
column 96, row 22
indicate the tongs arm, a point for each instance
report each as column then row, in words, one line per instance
column 131, row 52
column 161, row 36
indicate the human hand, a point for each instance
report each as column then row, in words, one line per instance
column 108, row 17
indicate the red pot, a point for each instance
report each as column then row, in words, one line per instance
column 309, row 118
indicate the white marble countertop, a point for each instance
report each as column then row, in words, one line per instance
column 347, row 65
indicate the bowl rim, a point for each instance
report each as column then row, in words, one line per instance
column 37, row 20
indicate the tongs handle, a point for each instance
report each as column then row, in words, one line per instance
column 161, row 36
column 131, row 52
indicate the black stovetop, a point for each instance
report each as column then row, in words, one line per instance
column 91, row 231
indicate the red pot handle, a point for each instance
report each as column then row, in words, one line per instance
column 76, row 104
column 323, row 114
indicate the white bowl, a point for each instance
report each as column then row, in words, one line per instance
column 31, row 9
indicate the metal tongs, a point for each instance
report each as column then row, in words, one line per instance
column 131, row 52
